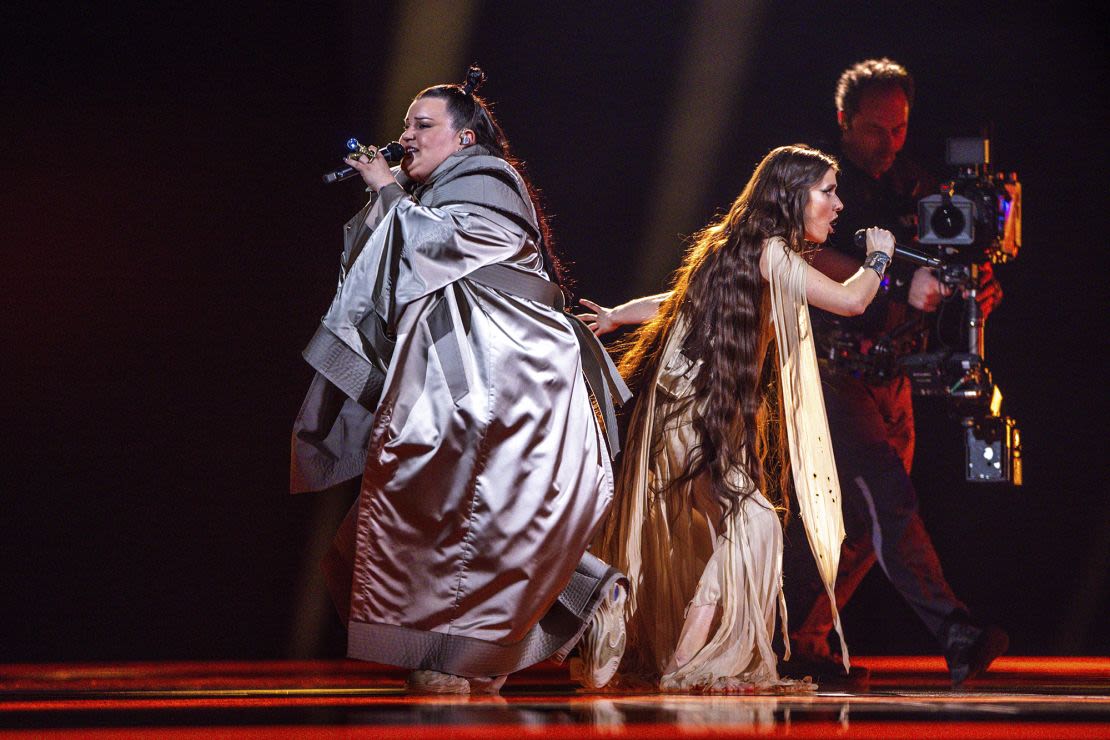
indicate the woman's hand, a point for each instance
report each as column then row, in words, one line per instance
column 880, row 240
column 637, row 311
column 600, row 321
column 375, row 173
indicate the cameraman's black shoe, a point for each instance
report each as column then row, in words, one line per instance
column 827, row 672
column 969, row 650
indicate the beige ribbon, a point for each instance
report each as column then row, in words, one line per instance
column 811, row 456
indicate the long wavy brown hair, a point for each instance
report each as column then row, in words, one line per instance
column 719, row 292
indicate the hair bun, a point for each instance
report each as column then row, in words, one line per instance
column 474, row 79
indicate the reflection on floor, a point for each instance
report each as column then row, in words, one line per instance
column 908, row 697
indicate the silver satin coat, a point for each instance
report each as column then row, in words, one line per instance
column 487, row 472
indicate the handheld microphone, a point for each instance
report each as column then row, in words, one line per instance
column 903, row 252
column 391, row 152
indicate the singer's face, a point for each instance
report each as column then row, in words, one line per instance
column 875, row 134
column 822, row 208
column 429, row 137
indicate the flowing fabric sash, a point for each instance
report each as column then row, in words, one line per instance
column 811, row 456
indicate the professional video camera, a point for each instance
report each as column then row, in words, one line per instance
column 976, row 218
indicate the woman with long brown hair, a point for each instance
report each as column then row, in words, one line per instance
column 726, row 381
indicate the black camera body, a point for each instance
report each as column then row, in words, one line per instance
column 976, row 218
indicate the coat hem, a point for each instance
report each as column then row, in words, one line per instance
column 552, row 637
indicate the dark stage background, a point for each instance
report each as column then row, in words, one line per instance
column 169, row 248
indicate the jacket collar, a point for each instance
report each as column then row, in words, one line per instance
column 444, row 167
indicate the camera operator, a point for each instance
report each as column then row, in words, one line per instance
column 868, row 399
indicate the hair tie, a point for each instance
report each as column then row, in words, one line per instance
column 474, row 78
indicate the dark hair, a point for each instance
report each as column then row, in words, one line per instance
column 867, row 74
column 721, row 294
column 469, row 111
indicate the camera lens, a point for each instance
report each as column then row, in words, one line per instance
column 947, row 221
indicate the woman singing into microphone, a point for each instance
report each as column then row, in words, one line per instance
column 726, row 374
column 486, row 470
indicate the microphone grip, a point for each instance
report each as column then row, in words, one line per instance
column 391, row 152
column 903, row 252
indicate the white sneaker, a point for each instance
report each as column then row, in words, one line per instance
column 434, row 682
column 602, row 645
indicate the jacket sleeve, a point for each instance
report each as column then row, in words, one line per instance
column 441, row 245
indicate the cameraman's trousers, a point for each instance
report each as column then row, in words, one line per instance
column 872, row 434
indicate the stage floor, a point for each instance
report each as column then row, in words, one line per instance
column 908, row 697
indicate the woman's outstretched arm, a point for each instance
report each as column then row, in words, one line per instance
column 849, row 297
column 603, row 320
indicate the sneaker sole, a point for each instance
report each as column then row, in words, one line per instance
column 601, row 655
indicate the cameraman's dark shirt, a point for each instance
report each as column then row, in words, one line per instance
column 891, row 203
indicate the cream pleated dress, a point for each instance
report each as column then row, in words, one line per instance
column 706, row 592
